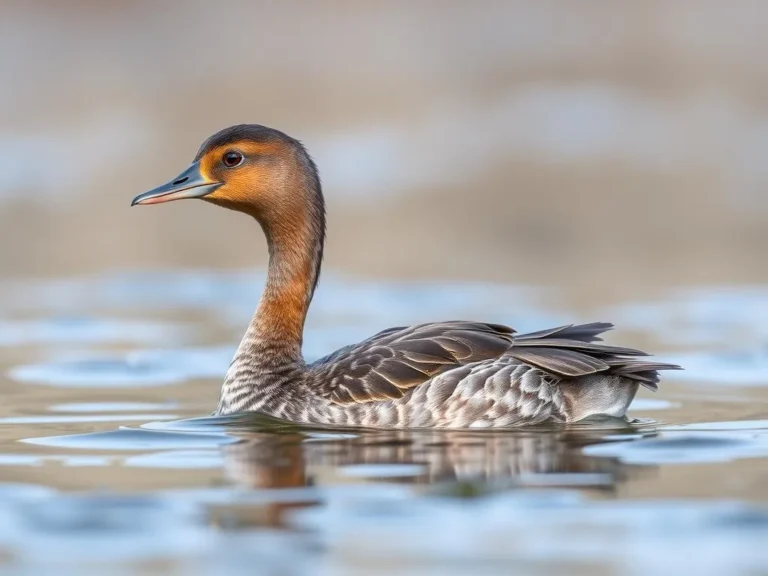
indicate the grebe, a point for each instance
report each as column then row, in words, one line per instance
column 454, row 374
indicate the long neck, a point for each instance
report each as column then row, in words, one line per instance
column 295, row 255
column 269, row 355
column 295, row 232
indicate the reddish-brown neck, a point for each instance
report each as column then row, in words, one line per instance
column 293, row 266
column 294, row 228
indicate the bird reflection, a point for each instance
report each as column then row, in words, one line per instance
column 485, row 459
column 457, row 463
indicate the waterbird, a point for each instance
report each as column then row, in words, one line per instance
column 451, row 374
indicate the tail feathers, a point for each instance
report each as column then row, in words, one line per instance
column 646, row 373
column 581, row 332
column 588, row 347
column 570, row 352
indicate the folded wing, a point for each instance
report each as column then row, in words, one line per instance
column 394, row 361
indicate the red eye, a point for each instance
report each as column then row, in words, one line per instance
column 232, row 159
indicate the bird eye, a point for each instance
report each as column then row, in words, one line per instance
column 232, row 159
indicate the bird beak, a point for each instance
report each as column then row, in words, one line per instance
column 189, row 184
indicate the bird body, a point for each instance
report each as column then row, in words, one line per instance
column 456, row 374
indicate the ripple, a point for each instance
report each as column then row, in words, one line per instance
column 193, row 362
column 136, row 369
column 177, row 459
column 539, row 530
column 73, row 419
column 243, row 421
column 688, row 447
column 40, row 459
column 83, row 461
column 79, row 330
column 141, row 520
column 382, row 470
column 101, row 407
column 133, row 439
column 10, row 491
column 82, row 529
column 96, row 373
column 20, row 460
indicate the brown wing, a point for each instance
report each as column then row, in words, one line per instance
column 387, row 365
column 396, row 360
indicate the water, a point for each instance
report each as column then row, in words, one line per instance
column 110, row 465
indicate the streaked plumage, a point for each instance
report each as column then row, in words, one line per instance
column 455, row 374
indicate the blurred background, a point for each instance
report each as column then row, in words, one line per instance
column 604, row 146
column 528, row 162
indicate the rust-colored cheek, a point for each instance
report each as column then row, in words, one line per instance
column 243, row 185
column 240, row 191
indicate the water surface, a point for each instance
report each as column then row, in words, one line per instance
column 108, row 457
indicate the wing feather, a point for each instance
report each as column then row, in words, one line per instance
column 388, row 364
column 394, row 361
